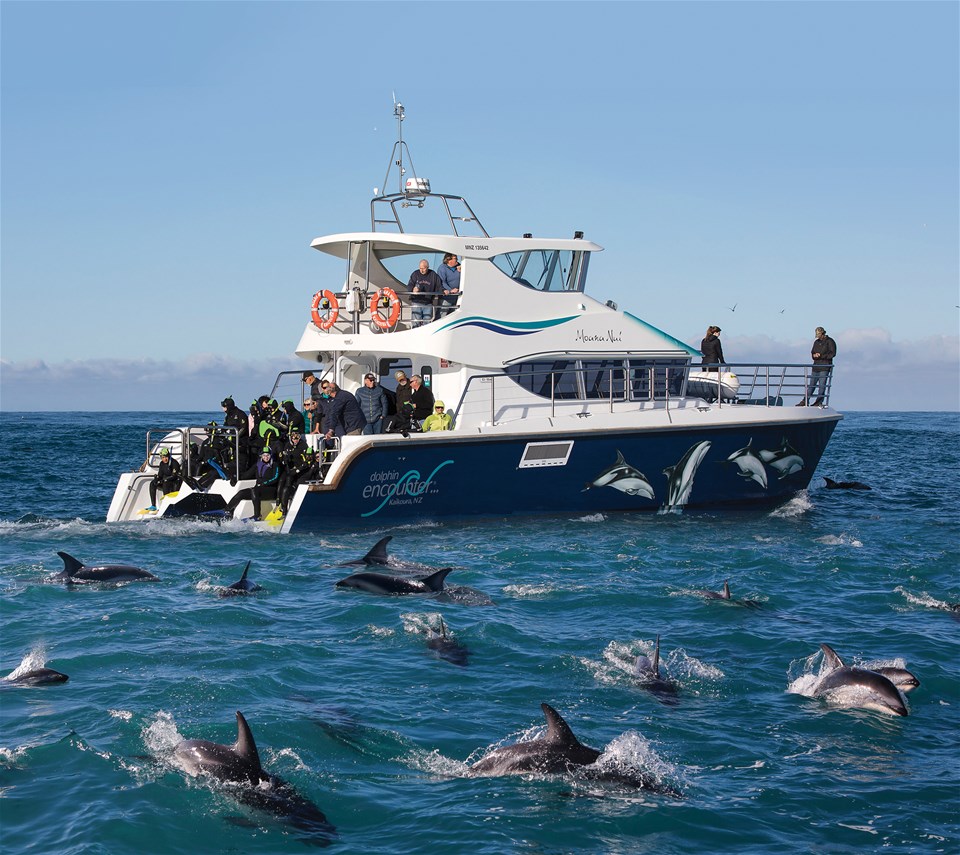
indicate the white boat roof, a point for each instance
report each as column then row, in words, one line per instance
column 472, row 247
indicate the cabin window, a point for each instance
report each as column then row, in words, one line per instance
column 545, row 269
column 540, row 377
column 597, row 377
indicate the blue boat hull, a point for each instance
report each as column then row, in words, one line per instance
column 663, row 470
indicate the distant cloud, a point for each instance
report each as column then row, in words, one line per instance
column 873, row 372
column 195, row 383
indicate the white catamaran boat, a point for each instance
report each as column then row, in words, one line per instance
column 561, row 402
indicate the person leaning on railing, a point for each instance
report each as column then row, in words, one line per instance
column 823, row 350
column 711, row 348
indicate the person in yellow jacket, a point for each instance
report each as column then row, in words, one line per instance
column 439, row 419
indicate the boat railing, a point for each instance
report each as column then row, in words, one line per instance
column 344, row 321
column 497, row 398
column 182, row 440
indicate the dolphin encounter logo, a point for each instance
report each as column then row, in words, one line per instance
column 396, row 489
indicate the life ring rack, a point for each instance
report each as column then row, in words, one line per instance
column 382, row 320
column 325, row 301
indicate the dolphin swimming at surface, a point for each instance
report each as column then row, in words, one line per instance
column 377, row 555
column 623, row 477
column 784, row 459
column 239, row 764
column 845, row 485
column 558, row 752
column 723, row 594
column 680, row 475
column 36, row 677
column 857, row 687
column 648, row 677
column 75, row 571
column 749, row 464
column 447, row 647
column 242, row 586
column 384, row 583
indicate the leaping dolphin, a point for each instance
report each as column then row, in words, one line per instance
column 558, row 752
column 648, row 677
column 75, row 571
column 384, row 583
column 623, row 477
column 240, row 764
column 680, row 476
column 857, row 687
column 784, row 459
column 845, row 485
column 36, row 677
column 750, row 466
column 241, row 586
column 377, row 555
column 903, row 679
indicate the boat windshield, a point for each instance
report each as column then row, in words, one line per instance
column 546, row 269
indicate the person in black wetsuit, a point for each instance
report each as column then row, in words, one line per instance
column 234, row 417
column 167, row 478
column 297, row 458
column 266, row 471
column 711, row 349
column 293, row 416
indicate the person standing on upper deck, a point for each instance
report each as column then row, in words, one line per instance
column 711, row 348
column 823, row 350
column 449, row 274
column 421, row 397
column 425, row 291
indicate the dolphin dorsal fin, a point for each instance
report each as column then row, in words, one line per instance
column 443, row 628
column 830, row 657
column 558, row 731
column 435, row 580
column 245, row 569
column 378, row 554
column 70, row 564
column 726, row 589
column 656, row 659
column 245, row 747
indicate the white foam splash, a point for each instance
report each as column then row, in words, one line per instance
column 843, row 539
column 591, row 518
column 922, row 599
column 797, row 506
column 529, row 590
column 123, row 715
column 161, row 735
column 35, row 659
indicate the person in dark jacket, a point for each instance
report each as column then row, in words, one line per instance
column 234, row 417
column 266, row 473
column 823, row 351
column 421, row 397
column 426, row 289
column 374, row 403
column 293, row 416
column 343, row 416
column 297, row 458
column 167, row 478
column 711, row 349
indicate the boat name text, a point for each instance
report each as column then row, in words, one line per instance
column 611, row 336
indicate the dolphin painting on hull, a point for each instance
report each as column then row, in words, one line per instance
column 648, row 676
column 239, row 765
column 559, row 752
column 749, row 464
column 384, row 583
column 242, row 586
column 75, row 572
column 857, row 687
column 680, row 476
column 784, row 459
column 623, row 477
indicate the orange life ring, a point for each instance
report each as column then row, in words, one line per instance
column 390, row 295
column 327, row 302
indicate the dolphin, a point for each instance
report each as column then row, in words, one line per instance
column 75, row 571
column 784, row 459
column 446, row 647
column 623, row 477
column 558, row 752
column 384, row 583
column 903, row 679
column 680, row 475
column 717, row 595
column 870, row 690
column 36, row 677
column 377, row 555
column 648, row 677
column 845, row 485
column 750, row 466
column 241, row 586
column 239, row 764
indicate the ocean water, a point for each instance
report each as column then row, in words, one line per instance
column 350, row 706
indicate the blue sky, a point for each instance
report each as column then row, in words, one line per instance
column 166, row 165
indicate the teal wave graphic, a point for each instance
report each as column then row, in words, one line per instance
column 505, row 327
